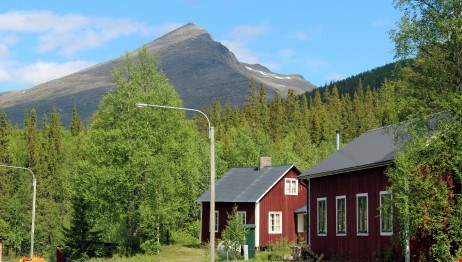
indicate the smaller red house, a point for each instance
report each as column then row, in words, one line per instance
column 271, row 197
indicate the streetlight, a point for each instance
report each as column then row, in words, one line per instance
column 34, row 184
column 212, row 171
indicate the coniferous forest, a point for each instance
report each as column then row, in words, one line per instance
column 127, row 182
column 131, row 177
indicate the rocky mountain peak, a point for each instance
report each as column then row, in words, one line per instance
column 201, row 70
column 181, row 34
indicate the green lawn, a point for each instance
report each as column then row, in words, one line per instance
column 176, row 253
column 167, row 253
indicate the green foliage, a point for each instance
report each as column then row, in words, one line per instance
column 80, row 240
column 141, row 167
column 426, row 178
column 150, row 247
column 140, row 170
column 76, row 122
column 279, row 249
column 294, row 130
column 188, row 236
column 233, row 235
column 374, row 78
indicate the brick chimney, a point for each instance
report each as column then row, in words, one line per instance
column 264, row 161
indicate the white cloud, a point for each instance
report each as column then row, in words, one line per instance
column 239, row 41
column 4, row 51
column 9, row 39
column 4, row 76
column 242, row 53
column 248, row 31
column 25, row 21
column 41, row 71
column 69, row 33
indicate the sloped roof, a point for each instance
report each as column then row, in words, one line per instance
column 302, row 209
column 246, row 184
column 376, row 147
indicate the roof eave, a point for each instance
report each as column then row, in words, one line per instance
column 346, row 170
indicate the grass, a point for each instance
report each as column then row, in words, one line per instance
column 167, row 253
column 177, row 254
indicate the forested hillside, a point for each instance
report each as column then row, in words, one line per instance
column 373, row 79
column 136, row 173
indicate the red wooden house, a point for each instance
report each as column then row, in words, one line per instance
column 346, row 192
column 271, row 197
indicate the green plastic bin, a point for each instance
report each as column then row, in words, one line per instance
column 250, row 239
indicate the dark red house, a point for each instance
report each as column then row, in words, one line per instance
column 346, row 192
column 271, row 197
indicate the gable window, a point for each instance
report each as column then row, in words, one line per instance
column 322, row 216
column 386, row 215
column 362, row 211
column 216, row 221
column 291, row 186
column 242, row 217
column 275, row 222
column 340, row 215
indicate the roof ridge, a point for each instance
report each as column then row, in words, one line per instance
column 265, row 166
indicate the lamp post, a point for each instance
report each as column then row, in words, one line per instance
column 212, row 171
column 34, row 185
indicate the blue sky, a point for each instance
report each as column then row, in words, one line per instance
column 320, row 40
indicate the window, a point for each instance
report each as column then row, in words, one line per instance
column 242, row 217
column 340, row 215
column 216, row 221
column 291, row 186
column 362, row 214
column 302, row 225
column 386, row 214
column 275, row 222
column 322, row 216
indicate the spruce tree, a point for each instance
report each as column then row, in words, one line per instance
column 277, row 118
column 5, row 130
column 81, row 241
column 264, row 118
column 76, row 122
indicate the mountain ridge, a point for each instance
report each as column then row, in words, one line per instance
column 201, row 70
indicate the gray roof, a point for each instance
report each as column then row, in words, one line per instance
column 374, row 148
column 246, row 184
column 301, row 210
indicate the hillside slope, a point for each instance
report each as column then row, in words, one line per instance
column 201, row 70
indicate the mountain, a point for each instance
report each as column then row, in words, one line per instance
column 201, row 70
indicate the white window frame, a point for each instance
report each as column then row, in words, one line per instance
column 362, row 233
column 242, row 217
column 216, row 221
column 270, row 220
column 323, row 233
column 385, row 233
column 291, row 186
column 337, row 232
